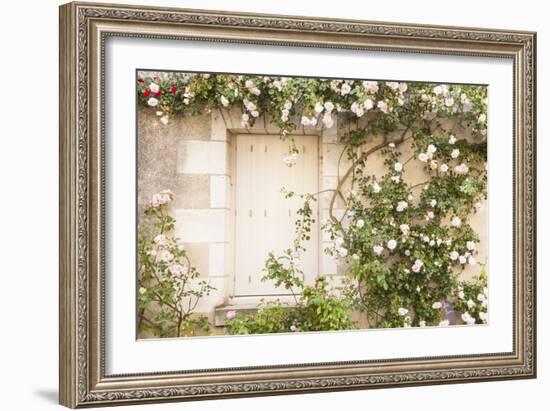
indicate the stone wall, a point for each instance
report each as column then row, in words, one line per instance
column 192, row 156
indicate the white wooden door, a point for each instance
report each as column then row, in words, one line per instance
column 264, row 220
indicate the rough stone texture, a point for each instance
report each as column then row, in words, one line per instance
column 201, row 157
column 157, row 157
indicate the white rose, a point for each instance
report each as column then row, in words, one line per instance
column 371, row 86
column 401, row 205
column 455, row 153
column 345, row 89
column 482, row 118
column 483, row 316
column 437, row 90
column 404, row 228
column 327, row 120
column 423, row 157
column 164, row 120
column 461, row 169
column 368, row 104
column 244, row 120
column 360, row 223
column 452, row 139
column 470, row 245
column 462, row 259
column 481, row 297
column 376, row 188
column 305, row 121
column 224, row 101
column 343, row 252
column 449, row 101
column 470, row 304
column 417, row 266
column 433, row 202
column 421, row 323
column 288, row 104
column 392, row 244
column 382, row 106
column 444, row 168
column 398, row 167
column 461, row 294
column 152, row 102
column 329, row 106
column 318, row 107
column 431, row 149
column 403, row 87
column 472, row 260
column 467, row 318
column 444, row 323
column 453, row 255
column 437, row 305
column 392, row 84
column 402, row 311
column 154, row 87
column 456, row 221
column 355, row 257
column 142, row 290
column 378, row 249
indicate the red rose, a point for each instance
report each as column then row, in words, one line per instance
column 141, row 80
column 158, row 93
column 173, row 89
column 147, row 93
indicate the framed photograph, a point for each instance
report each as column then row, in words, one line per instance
column 258, row 204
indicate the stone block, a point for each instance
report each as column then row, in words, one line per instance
column 199, row 257
column 216, row 260
column 219, row 191
column 218, row 127
column 201, row 226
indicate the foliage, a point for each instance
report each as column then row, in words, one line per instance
column 471, row 301
column 404, row 243
column 169, row 286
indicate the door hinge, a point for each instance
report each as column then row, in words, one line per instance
column 251, row 148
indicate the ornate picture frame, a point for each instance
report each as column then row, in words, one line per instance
column 84, row 29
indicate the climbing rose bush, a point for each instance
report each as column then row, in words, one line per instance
column 404, row 245
column 169, row 287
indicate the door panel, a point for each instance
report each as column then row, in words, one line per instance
column 264, row 218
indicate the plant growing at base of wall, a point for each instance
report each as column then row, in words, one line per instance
column 169, row 287
column 317, row 307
